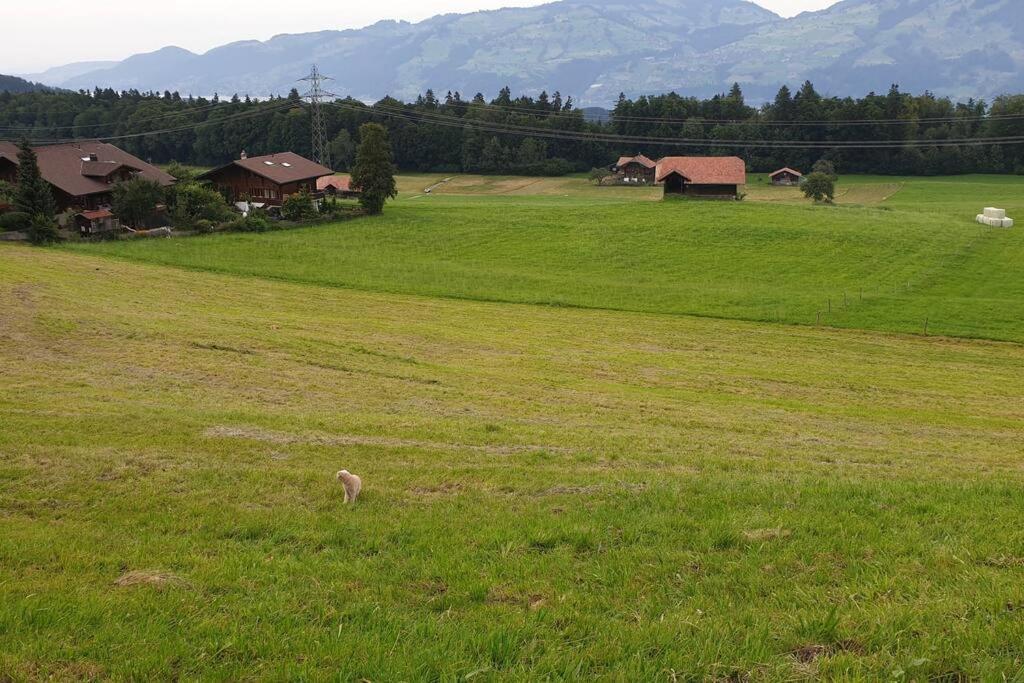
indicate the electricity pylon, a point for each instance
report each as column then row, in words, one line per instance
column 316, row 95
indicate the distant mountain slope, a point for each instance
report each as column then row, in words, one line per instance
column 14, row 84
column 59, row 75
column 595, row 49
column 567, row 45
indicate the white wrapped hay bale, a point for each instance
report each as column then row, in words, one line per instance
column 980, row 218
column 991, row 212
column 1007, row 222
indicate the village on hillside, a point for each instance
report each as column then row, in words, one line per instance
column 84, row 178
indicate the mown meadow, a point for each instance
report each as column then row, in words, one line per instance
column 893, row 254
column 552, row 492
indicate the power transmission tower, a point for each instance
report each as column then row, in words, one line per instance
column 316, row 95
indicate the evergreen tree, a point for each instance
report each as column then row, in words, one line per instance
column 782, row 109
column 494, row 157
column 342, row 150
column 33, row 195
column 42, row 230
column 374, row 171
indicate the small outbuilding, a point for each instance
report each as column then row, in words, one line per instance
column 96, row 222
column 786, row 176
column 638, row 169
column 702, row 177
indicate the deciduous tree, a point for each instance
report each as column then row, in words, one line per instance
column 374, row 171
column 135, row 201
column 819, row 187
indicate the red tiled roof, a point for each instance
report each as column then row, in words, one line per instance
column 67, row 166
column 96, row 215
column 339, row 183
column 281, row 168
column 704, row 170
column 638, row 159
column 798, row 174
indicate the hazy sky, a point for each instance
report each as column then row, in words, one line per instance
column 44, row 34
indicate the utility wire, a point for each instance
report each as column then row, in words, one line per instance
column 128, row 121
column 585, row 136
column 165, row 131
column 612, row 117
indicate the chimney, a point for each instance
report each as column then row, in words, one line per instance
column 244, row 155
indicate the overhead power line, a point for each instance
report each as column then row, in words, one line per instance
column 759, row 122
column 165, row 131
column 588, row 136
column 129, row 121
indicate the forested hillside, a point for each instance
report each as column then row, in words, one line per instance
column 894, row 133
column 13, row 84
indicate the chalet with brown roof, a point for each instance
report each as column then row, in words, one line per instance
column 267, row 179
column 638, row 169
column 82, row 174
column 704, row 177
column 786, row 176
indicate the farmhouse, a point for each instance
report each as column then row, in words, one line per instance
column 268, row 179
column 336, row 186
column 705, row 177
column 638, row 169
column 786, row 176
column 82, row 175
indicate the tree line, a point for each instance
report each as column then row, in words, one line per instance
column 544, row 135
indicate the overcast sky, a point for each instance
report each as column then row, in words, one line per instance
column 39, row 34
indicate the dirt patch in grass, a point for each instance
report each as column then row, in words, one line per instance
column 758, row 535
column 223, row 348
column 1003, row 562
column 437, row 491
column 806, row 654
column 55, row 671
column 502, row 596
column 153, row 578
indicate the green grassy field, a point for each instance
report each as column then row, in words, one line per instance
column 894, row 255
column 551, row 492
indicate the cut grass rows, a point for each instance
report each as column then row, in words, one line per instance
column 550, row 493
column 916, row 257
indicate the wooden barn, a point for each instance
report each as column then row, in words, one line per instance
column 786, row 176
column 638, row 169
column 96, row 222
column 267, row 179
column 702, row 177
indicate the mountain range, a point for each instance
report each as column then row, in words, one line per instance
column 595, row 49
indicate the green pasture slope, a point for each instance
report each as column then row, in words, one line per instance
column 550, row 494
column 896, row 254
